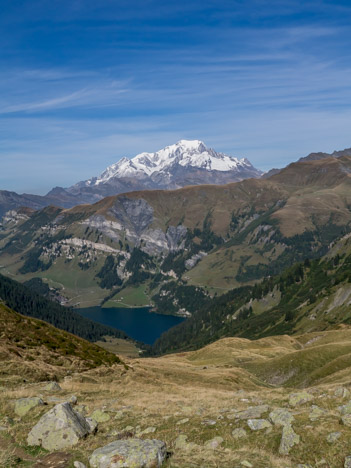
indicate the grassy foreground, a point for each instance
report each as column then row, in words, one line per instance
column 197, row 395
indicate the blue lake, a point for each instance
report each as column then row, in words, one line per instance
column 138, row 323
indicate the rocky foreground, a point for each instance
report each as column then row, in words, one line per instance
column 186, row 410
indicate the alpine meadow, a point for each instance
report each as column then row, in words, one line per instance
column 175, row 234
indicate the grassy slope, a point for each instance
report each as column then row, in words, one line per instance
column 177, row 393
column 33, row 349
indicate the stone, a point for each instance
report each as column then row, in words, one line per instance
column 181, row 443
column 281, row 417
column 182, row 421
column 54, row 460
column 59, row 428
column 345, row 409
column 258, row 424
column 131, row 453
column 333, row 437
column 148, row 430
column 209, row 422
column 246, row 464
column 253, row 412
column 100, row 416
column 214, row 443
column 300, row 398
column 73, row 400
column 346, row 420
column 342, row 392
column 239, row 433
column 347, row 462
column 52, row 387
column 316, row 413
column 78, row 464
column 288, row 440
column 24, row 405
column 3, row 428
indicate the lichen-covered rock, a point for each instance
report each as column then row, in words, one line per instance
column 347, row 462
column 345, row 409
column 214, row 443
column 181, row 443
column 333, row 437
column 258, row 424
column 24, row 405
column 239, row 433
column 100, row 416
column 59, row 428
column 182, row 421
column 253, row 412
column 342, row 392
column 52, row 387
column 78, row 464
column 148, row 430
column 316, row 413
column 131, row 453
column 288, row 440
column 281, row 417
column 346, row 420
column 300, row 398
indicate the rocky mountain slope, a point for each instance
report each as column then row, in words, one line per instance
column 210, row 238
column 184, row 163
column 178, row 165
column 310, row 296
column 224, row 405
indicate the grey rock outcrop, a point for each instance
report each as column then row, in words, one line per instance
column 288, row 440
column 24, row 405
column 129, row 453
column 59, row 428
column 281, row 417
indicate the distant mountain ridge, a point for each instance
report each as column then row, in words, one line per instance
column 188, row 162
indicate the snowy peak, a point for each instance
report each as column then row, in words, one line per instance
column 184, row 154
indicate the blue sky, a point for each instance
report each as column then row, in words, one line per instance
column 84, row 83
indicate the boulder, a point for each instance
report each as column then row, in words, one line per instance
column 214, row 443
column 100, row 416
column 342, row 392
column 59, row 428
column 239, row 433
column 333, row 437
column 316, row 413
column 181, row 443
column 24, row 405
column 52, row 387
column 131, row 453
column 345, row 409
column 281, row 417
column 346, row 420
column 300, row 398
column 253, row 412
column 258, row 424
column 78, row 464
column 288, row 440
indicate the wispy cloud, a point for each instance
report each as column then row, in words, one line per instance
column 95, row 81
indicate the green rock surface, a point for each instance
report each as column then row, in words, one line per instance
column 59, row 428
column 131, row 453
column 24, row 405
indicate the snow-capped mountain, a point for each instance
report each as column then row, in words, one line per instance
column 184, row 163
column 185, row 153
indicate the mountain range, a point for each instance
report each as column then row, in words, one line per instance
column 184, row 163
column 177, row 248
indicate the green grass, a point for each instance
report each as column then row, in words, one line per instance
column 131, row 296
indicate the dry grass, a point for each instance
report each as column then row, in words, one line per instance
column 191, row 388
